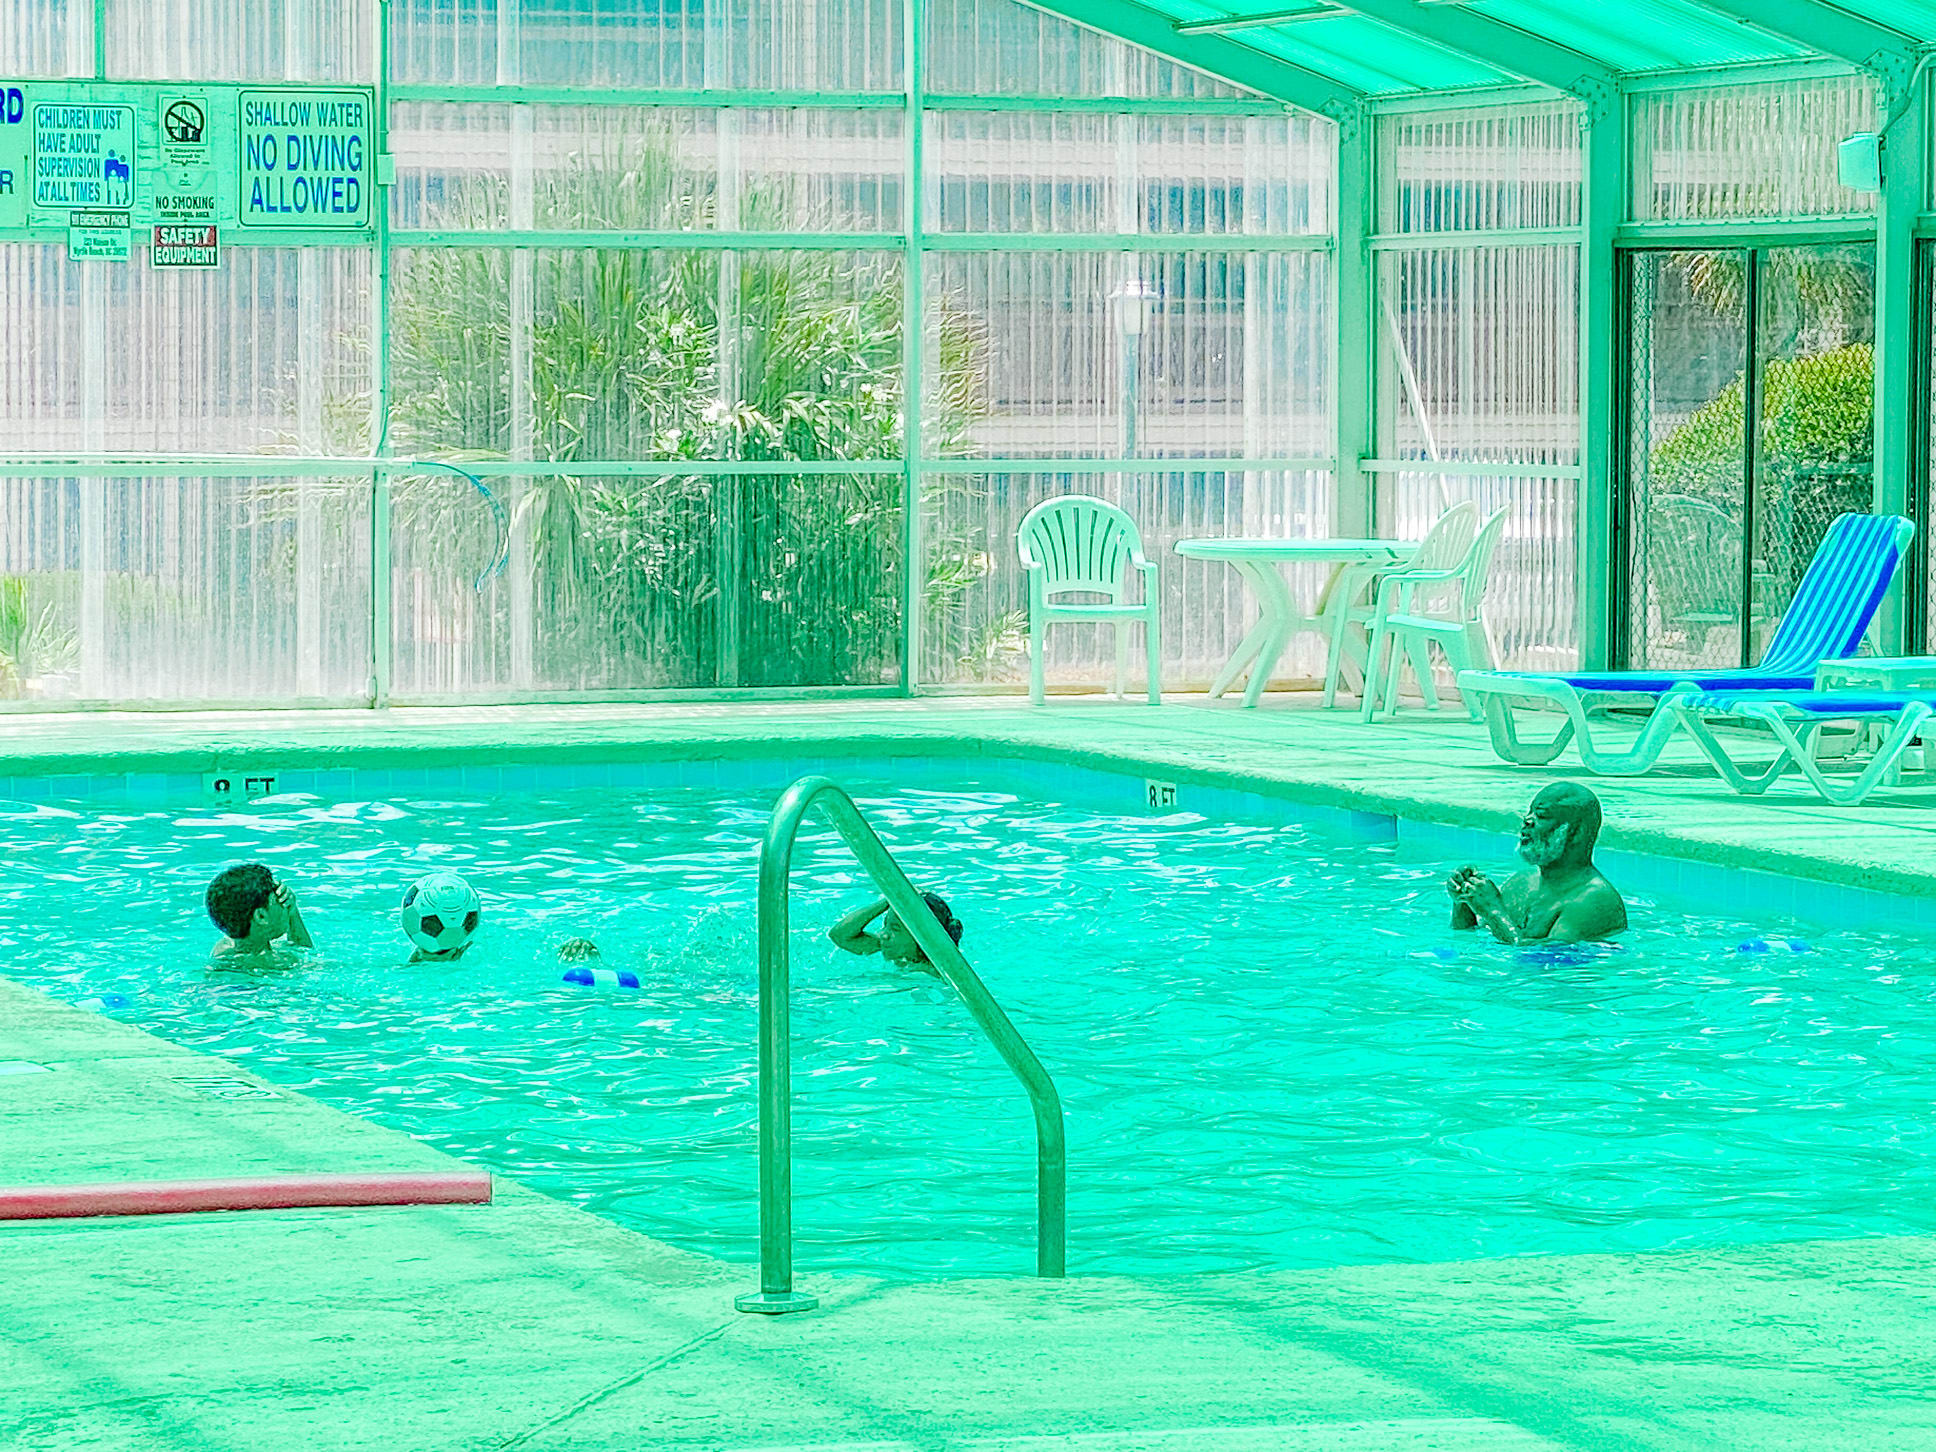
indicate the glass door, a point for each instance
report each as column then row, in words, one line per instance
column 1750, row 427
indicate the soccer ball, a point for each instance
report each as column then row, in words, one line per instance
column 440, row 912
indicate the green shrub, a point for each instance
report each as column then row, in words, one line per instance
column 639, row 581
column 1816, row 450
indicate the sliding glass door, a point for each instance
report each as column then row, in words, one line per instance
column 1750, row 426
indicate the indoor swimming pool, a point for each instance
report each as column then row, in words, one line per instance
column 1271, row 1049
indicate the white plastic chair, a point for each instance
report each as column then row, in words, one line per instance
column 1080, row 545
column 1444, row 545
column 1450, row 616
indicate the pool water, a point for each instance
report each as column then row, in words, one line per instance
column 1271, row 1049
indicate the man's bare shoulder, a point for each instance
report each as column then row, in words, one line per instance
column 1593, row 909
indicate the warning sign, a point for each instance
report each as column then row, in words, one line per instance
column 98, row 236
column 13, row 157
column 186, row 247
column 184, row 130
column 183, row 194
column 305, row 158
column 83, row 155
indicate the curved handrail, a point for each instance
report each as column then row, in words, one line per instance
column 776, row 1293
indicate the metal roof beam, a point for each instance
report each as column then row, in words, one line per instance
column 1315, row 10
column 1494, row 43
column 1228, row 60
column 1888, row 54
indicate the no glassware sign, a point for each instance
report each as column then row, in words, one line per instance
column 305, row 158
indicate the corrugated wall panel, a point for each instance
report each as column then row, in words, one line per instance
column 1747, row 151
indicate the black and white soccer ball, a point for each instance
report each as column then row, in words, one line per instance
column 440, row 912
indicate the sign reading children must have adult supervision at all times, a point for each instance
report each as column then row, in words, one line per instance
column 83, row 155
column 305, row 158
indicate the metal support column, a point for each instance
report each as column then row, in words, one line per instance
column 913, row 321
column 1600, row 550
column 1899, row 404
column 1354, row 360
column 522, row 583
column 382, row 642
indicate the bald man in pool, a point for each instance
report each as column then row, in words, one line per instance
column 1563, row 899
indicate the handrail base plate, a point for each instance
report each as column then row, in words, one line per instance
column 775, row 1303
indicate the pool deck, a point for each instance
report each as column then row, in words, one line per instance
column 527, row 1324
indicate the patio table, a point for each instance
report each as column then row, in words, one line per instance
column 1258, row 561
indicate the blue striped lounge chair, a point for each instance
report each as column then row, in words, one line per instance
column 1832, row 610
column 1794, row 719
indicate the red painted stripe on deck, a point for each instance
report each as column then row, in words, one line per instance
column 270, row 1192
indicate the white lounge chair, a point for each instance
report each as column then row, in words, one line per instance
column 1831, row 612
column 1794, row 720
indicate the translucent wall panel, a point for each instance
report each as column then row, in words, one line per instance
column 47, row 38
column 241, row 40
column 268, row 353
column 1531, row 610
column 844, row 45
column 1102, row 353
column 1000, row 48
column 241, row 590
column 626, row 584
column 450, row 351
column 1506, row 167
column 1479, row 354
column 976, row 612
column 615, row 354
column 1031, row 171
column 1747, row 151
column 487, row 166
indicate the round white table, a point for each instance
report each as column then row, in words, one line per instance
column 1257, row 560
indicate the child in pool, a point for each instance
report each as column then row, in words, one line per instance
column 893, row 942
column 247, row 903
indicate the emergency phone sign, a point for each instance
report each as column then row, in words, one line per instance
column 305, row 158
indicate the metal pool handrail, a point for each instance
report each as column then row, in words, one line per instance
column 776, row 1293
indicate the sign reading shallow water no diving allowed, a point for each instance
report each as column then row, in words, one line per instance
column 305, row 158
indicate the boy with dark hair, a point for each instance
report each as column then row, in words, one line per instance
column 894, row 942
column 247, row 903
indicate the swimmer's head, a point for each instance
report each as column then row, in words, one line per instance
column 1561, row 826
column 578, row 950
column 898, row 944
column 439, row 913
column 242, row 899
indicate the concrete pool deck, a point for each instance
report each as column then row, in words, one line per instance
column 529, row 1324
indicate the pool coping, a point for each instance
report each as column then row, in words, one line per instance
column 1431, row 782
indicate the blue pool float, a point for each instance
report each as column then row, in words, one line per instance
column 103, row 1002
column 601, row 978
column 1568, row 955
column 1774, row 945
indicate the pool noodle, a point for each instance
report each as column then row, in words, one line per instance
column 269, row 1192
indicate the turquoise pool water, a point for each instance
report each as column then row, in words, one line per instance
column 1272, row 1051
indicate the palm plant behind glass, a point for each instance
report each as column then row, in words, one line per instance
column 766, row 578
